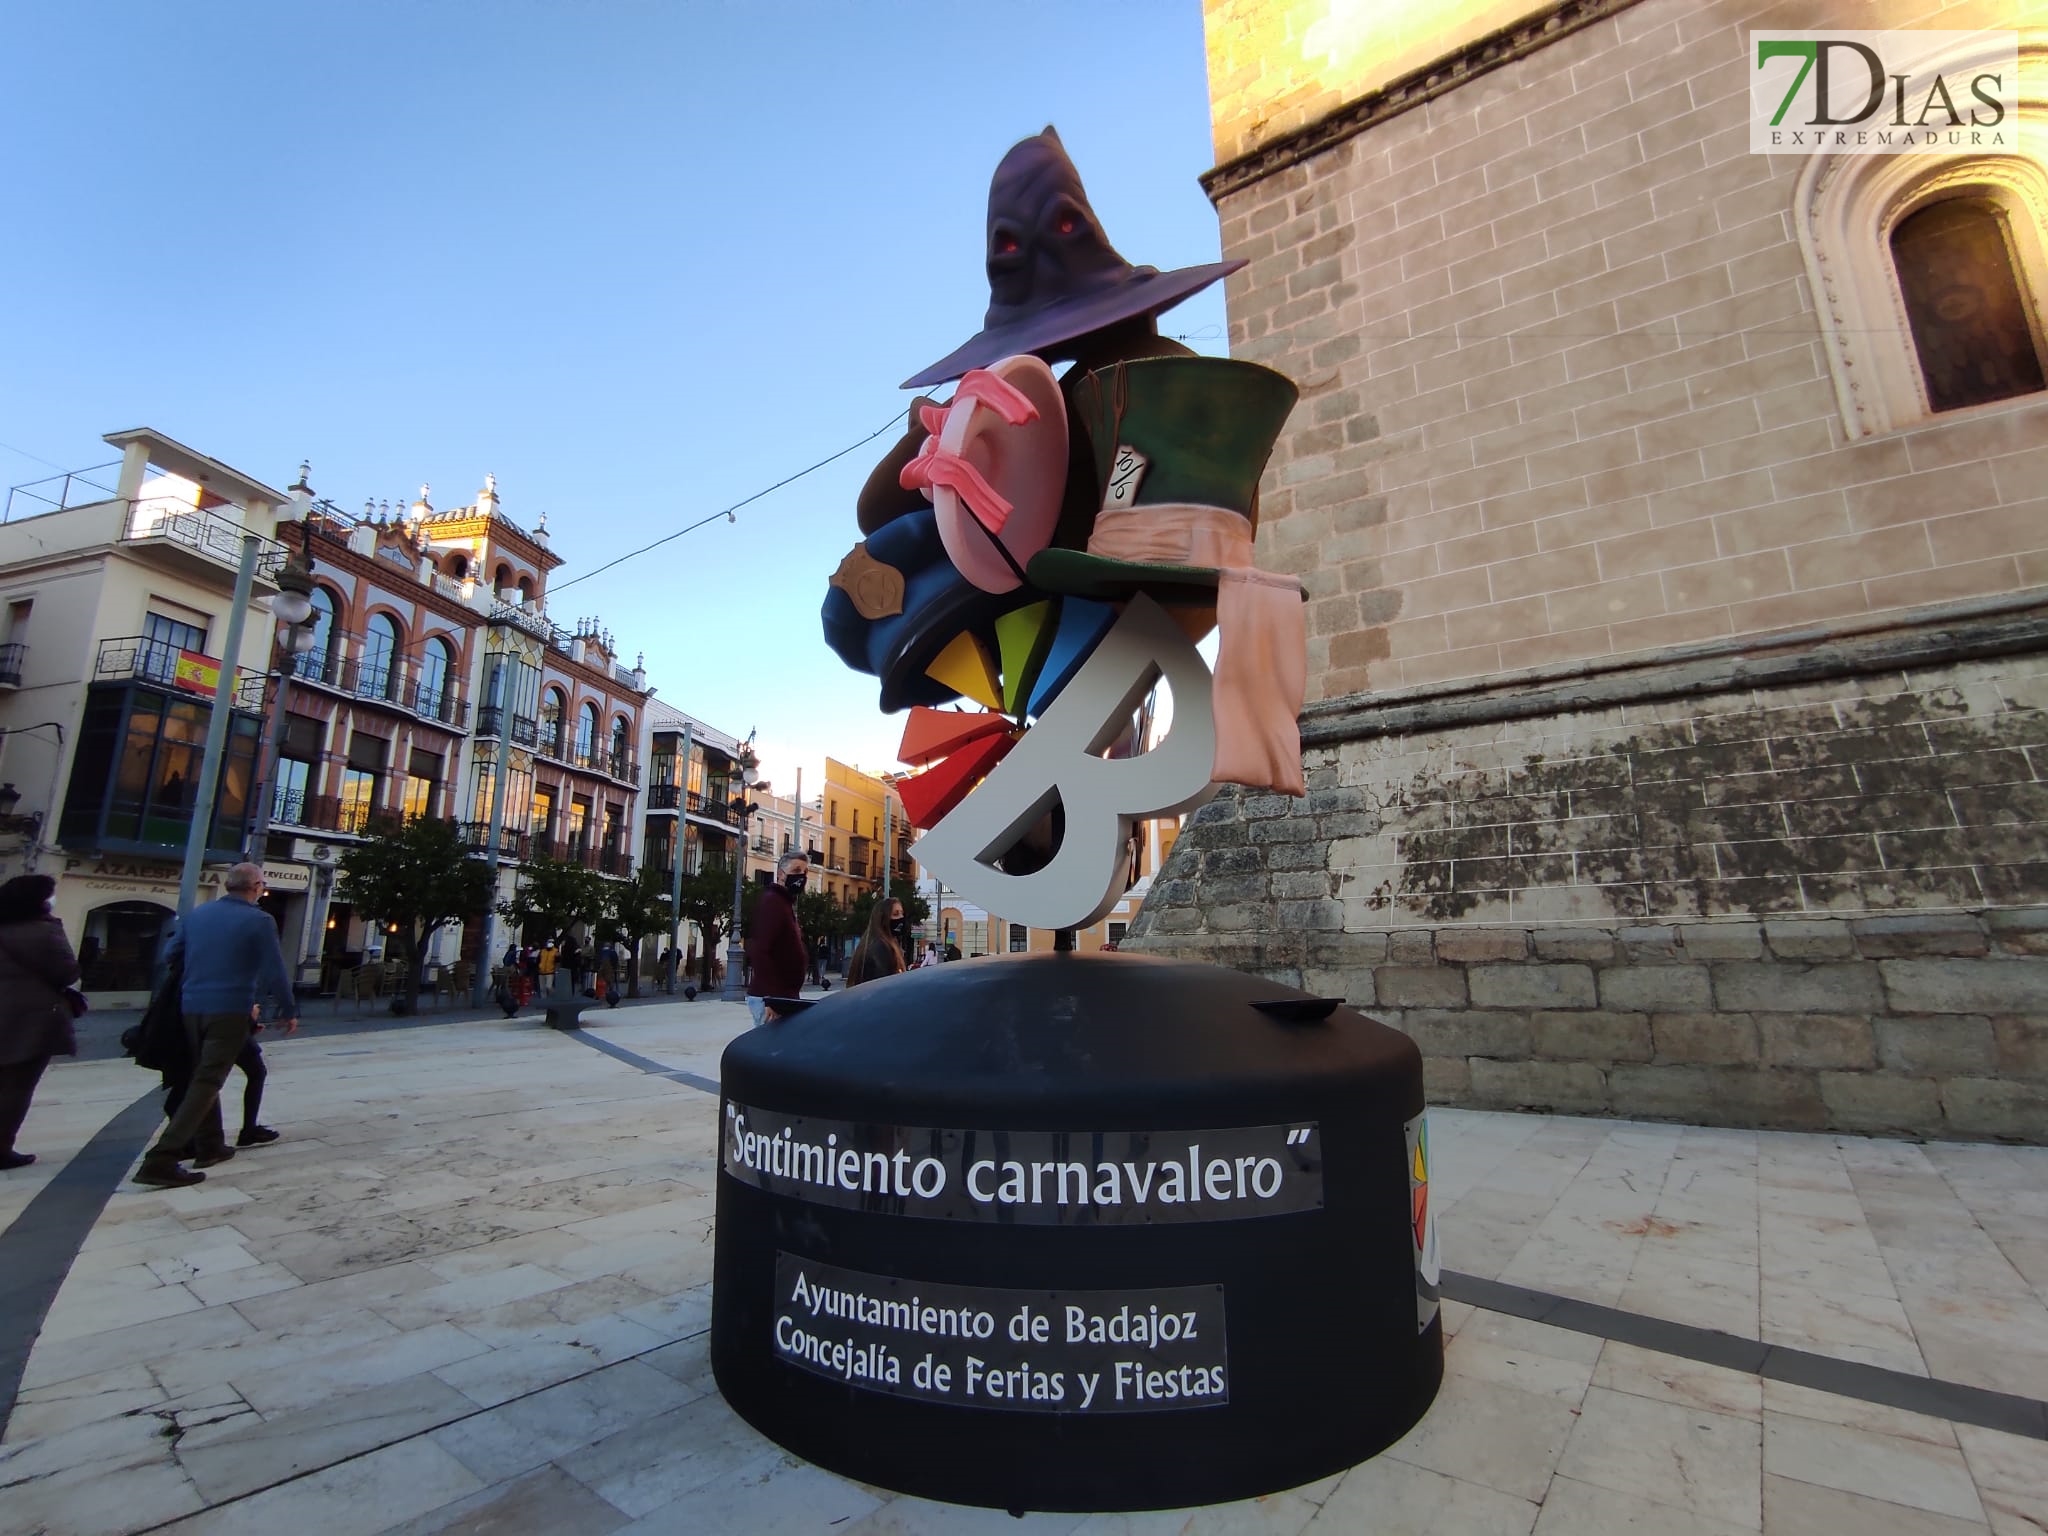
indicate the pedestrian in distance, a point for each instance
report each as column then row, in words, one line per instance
column 608, row 974
column 232, row 964
column 776, row 954
column 881, row 947
column 38, row 1001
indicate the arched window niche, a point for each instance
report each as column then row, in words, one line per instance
column 1975, row 333
column 1891, row 242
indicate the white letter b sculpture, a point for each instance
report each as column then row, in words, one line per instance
column 1057, row 762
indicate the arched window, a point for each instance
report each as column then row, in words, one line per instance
column 380, row 657
column 318, row 662
column 551, row 711
column 586, row 736
column 525, row 589
column 1901, row 282
column 622, row 746
column 1959, row 276
column 458, row 564
column 437, row 664
column 503, row 579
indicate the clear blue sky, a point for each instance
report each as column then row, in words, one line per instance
column 639, row 260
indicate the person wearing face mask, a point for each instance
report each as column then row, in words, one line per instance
column 776, row 952
column 881, row 947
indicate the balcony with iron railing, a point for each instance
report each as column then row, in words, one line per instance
column 598, row 856
column 184, row 535
column 491, row 721
column 476, row 836
column 382, row 679
column 326, row 813
column 551, row 742
column 11, row 658
column 171, row 667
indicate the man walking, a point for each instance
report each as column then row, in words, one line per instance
column 232, row 961
column 775, row 953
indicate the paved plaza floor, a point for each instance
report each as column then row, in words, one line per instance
column 469, row 1291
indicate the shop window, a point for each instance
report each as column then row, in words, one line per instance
column 119, row 945
column 1959, row 276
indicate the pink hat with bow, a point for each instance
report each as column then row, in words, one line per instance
column 995, row 466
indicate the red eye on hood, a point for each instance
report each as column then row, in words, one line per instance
column 1006, row 245
column 1068, row 223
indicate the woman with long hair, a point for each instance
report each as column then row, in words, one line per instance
column 37, row 969
column 881, row 947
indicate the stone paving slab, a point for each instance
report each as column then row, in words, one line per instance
column 469, row 1291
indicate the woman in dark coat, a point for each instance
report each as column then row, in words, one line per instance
column 881, row 947
column 36, row 968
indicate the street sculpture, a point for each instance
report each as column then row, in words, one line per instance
column 1040, row 534
column 1069, row 1231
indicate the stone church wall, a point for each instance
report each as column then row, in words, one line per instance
column 1675, row 735
column 1805, row 905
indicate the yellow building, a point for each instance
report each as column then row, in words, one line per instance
column 845, row 827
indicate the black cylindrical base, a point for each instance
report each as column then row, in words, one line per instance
column 1120, row 1168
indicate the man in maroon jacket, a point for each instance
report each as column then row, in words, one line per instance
column 775, row 940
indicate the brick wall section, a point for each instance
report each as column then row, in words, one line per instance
column 1922, row 1024
column 1564, row 392
column 1814, row 907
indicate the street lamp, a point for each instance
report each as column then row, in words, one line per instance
column 750, row 775
column 292, row 606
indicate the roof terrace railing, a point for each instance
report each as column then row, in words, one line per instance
column 161, row 519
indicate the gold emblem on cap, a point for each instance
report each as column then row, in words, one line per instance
column 876, row 589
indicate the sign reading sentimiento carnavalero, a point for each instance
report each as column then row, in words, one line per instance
column 1029, row 1178
column 980, row 1347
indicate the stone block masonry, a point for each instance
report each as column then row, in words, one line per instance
column 1676, row 672
column 1812, row 907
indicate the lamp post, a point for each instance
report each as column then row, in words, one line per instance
column 735, row 990
column 293, row 608
column 675, row 858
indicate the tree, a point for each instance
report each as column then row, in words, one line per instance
column 419, row 877
column 707, row 902
column 638, row 907
column 554, row 896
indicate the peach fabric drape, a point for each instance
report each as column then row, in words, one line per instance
column 1262, row 635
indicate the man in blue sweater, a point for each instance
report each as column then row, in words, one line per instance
column 232, row 962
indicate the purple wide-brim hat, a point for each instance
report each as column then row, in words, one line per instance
column 1133, row 292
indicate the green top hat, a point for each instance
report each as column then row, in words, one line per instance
column 1169, row 432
